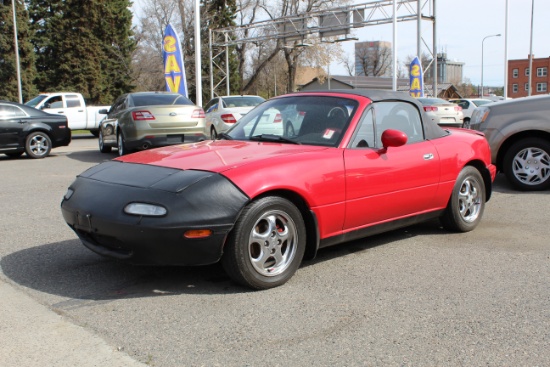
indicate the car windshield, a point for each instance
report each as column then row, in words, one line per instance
column 310, row 120
column 245, row 101
column 159, row 99
column 36, row 100
column 481, row 102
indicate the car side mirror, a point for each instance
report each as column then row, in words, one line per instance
column 103, row 111
column 393, row 138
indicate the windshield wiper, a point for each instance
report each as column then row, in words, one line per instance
column 273, row 138
column 224, row 136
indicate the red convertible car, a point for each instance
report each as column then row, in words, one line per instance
column 262, row 197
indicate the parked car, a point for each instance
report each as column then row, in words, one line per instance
column 79, row 115
column 223, row 112
column 518, row 132
column 362, row 163
column 468, row 106
column 143, row 120
column 442, row 112
column 24, row 129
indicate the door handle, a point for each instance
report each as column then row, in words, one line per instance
column 428, row 156
column 80, row 110
column 60, row 111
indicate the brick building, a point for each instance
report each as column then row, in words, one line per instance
column 518, row 77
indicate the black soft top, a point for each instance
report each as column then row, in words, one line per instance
column 431, row 129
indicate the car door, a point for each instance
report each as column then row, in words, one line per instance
column 387, row 184
column 12, row 122
column 75, row 111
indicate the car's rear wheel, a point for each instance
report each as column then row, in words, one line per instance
column 466, row 123
column 102, row 147
column 467, row 202
column 120, row 144
column 267, row 245
column 213, row 134
column 38, row 145
column 527, row 164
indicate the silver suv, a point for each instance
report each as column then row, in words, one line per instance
column 518, row 132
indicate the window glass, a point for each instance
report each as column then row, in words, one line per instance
column 245, row 101
column 73, row 102
column 514, row 88
column 400, row 116
column 54, row 102
column 542, row 71
column 541, row 87
column 364, row 137
column 515, row 73
column 8, row 112
column 160, row 99
column 527, row 71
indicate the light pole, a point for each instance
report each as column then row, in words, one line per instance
column 492, row 35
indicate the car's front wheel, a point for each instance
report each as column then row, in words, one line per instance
column 213, row 134
column 102, row 147
column 38, row 145
column 527, row 164
column 467, row 202
column 267, row 245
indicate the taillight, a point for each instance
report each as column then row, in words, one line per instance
column 278, row 118
column 228, row 118
column 430, row 108
column 198, row 113
column 142, row 115
column 458, row 108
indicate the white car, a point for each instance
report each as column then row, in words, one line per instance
column 468, row 106
column 224, row 111
column 442, row 112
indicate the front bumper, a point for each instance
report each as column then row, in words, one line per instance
column 94, row 209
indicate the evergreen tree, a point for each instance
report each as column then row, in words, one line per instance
column 83, row 46
column 8, row 68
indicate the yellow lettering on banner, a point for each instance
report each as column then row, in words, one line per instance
column 169, row 44
column 173, row 84
column 171, row 65
column 415, row 70
column 415, row 84
column 415, row 94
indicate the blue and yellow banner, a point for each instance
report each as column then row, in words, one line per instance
column 416, row 78
column 174, row 70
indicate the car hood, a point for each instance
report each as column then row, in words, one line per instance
column 216, row 156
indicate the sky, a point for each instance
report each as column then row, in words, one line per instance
column 461, row 27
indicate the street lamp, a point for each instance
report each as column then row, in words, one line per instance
column 492, row 35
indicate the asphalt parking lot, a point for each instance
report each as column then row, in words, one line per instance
column 419, row 296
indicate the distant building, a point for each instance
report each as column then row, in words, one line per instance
column 371, row 53
column 518, row 77
column 448, row 71
column 353, row 82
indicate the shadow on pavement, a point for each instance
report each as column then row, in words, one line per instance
column 70, row 270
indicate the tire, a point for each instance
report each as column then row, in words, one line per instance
column 213, row 134
column 120, row 144
column 14, row 154
column 38, row 145
column 279, row 225
column 290, row 132
column 467, row 202
column 526, row 164
column 102, row 147
column 466, row 123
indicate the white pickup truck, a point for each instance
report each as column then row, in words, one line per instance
column 72, row 105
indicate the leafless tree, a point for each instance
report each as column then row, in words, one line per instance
column 374, row 58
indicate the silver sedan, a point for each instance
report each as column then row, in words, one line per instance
column 442, row 112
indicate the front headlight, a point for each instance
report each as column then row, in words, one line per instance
column 479, row 115
column 150, row 210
